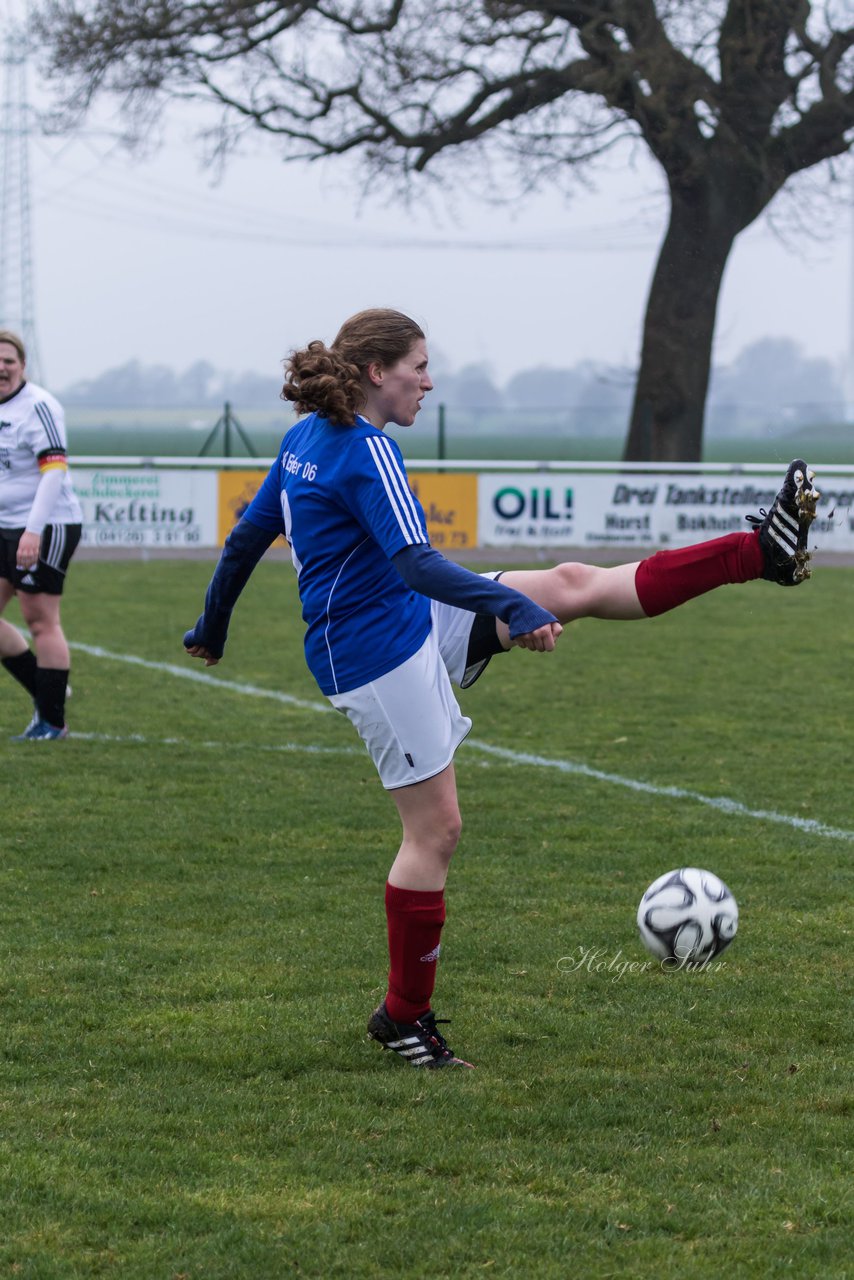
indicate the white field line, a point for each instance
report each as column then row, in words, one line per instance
column 723, row 804
column 201, row 677
column 287, row 748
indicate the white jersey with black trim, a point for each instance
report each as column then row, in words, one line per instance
column 33, row 441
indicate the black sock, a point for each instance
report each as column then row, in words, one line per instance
column 23, row 668
column 51, row 683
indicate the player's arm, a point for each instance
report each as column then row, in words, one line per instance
column 427, row 571
column 44, row 433
column 260, row 525
column 244, row 547
column 53, row 466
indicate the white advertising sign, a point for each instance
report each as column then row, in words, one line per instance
column 148, row 508
column 531, row 509
column 643, row 509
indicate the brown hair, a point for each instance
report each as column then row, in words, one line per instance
column 329, row 380
column 6, row 335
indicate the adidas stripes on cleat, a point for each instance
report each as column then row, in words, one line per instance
column 419, row 1043
column 40, row 731
column 783, row 531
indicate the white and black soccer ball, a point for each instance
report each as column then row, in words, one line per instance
column 687, row 916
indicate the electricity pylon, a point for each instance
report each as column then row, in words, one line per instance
column 17, row 301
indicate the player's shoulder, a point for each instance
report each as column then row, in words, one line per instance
column 318, row 435
column 41, row 400
column 33, row 391
column 369, row 453
column 305, row 430
column 366, row 430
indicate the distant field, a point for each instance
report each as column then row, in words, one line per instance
column 192, row 937
column 184, row 432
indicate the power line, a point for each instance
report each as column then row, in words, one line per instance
column 165, row 207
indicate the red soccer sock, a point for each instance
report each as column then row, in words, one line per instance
column 669, row 578
column 415, row 918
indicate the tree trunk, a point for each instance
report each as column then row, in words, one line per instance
column 670, row 396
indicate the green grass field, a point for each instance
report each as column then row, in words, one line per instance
column 192, row 937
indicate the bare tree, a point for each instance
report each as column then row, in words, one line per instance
column 733, row 98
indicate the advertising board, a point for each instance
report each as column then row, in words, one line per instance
column 144, row 507
column 642, row 509
column 196, row 507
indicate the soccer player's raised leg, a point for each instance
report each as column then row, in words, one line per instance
column 776, row 549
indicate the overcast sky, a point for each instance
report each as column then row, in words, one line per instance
column 150, row 260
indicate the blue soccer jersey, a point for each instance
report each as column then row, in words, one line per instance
column 342, row 499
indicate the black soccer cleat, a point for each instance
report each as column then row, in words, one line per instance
column 419, row 1043
column 783, row 531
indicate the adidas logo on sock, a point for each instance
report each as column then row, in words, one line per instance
column 433, row 955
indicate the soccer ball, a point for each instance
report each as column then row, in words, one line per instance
column 687, row 917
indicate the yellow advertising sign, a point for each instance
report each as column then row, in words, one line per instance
column 449, row 502
column 236, row 491
column 450, row 505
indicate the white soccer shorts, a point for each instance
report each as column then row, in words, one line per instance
column 409, row 718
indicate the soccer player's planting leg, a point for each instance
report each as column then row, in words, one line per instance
column 415, row 914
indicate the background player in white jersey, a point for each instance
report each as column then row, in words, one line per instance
column 40, row 526
column 390, row 623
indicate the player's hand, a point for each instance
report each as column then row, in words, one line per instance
column 28, row 550
column 196, row 650
column 199, row 651
column 543, row 640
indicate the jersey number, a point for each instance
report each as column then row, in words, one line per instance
column 289, row 521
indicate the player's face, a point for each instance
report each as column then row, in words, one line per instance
column 11, row 370
column 404, row 385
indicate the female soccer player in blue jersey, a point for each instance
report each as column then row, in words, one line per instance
column 391, row 624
